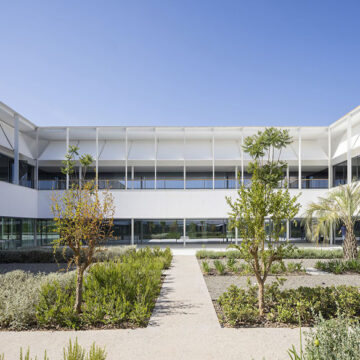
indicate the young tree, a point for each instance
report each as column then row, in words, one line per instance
column 339, row 206
column 260, row 201
column 83, row 218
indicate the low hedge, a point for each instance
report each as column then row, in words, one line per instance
column 47, row 254
column 292, row 254
column 239, row 306
column 339, row 267
column 116, row 293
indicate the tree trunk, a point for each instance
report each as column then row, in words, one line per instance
column 79, row 288
column 261, row 298
column 350, row 245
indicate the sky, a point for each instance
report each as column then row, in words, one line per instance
column 181, row 63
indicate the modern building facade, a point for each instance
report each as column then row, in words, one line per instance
column 169, row 183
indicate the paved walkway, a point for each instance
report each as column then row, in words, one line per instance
column 184, row 326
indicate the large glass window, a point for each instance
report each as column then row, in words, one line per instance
column 121, row 232
column 16, row 232
column 6, row 168
column 51, row 178
column 169, row 180
column 314, row 178
column 199, row 180
column 340, row 174
column 297, row 230
column 46, row 231
column 158, row 231
column 225, row 180
column 355, row 165
column 215, row 230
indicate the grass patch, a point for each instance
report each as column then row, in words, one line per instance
column 116, row 293
column 239, row 307
column 339, row 266
column 292, row 254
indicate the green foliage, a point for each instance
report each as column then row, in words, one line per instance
column 205, row 267
column 96, row 353
column 289, row 306
column 48, row 255
column 231, row 265
column 27, row 355
column 220, row 267
column 338, row 266
column 334, row 339
column 118, row 293
column 291, row 253
column 74, row 351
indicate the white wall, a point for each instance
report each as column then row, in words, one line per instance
column 173, row 204
column 18, row 201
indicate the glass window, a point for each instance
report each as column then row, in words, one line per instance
column 5, row 168
column 199, row 180
column 297, row 230
column 169, row 180
column 340, row 174
column 121, row 232
column 225, row 180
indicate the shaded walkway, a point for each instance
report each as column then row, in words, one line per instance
column 184, row 325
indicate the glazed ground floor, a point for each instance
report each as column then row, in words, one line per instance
column 28, row 232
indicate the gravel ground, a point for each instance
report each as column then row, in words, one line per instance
column 33, row 267
column 218, row 284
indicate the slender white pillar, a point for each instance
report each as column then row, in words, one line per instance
column 132, row 232
column 329, row 159
column 126, row 159
column 236, row 235
column 299, row 158
column 16, row 150
column 36, row 182
column 287, row 175
column 287, row 230
column 184, row 154
column 236, row 177
column 213, row 161
column 67, row 149
column 155, row 159
column 348, row 154
column 97, row 157
column 242, row 160
column 184, row 232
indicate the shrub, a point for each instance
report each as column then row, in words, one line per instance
column 47, row 255
column 334, row 339
column 293, row 253
column 121, row 292
column 338, row 266
column 291, row 305
column 206, row 267
column 220, row 267
column 231, row 265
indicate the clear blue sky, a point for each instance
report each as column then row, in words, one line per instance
column 183, row 62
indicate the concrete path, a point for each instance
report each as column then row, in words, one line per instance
column 184, row 325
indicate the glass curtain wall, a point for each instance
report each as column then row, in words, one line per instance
column 209, row 230
column 51, row 178
column 6, row 165
column 340, row 174
column 314, row 179
column 198, row 179
column 16, row 232
column 153, row 232
column 46, row 232
column 170, row 178
column 355, row 166
column 121, row 232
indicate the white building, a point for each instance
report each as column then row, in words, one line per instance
column 167, row 181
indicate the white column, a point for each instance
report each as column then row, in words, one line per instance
column 242, row 160
column 299, row 158
column 329, row 159
column 132, row 175
column 236, row 235
column 213, row 161
column 97, row 157
column 67, row 148
column 184, row 231
column 348, row 154
column 331, row 234
column 287, row 175
column 126, row 159
column 155, row 161
column 16, row 150
column 132, row 232
column 184, row 152
column 236, row 177
column 287, row 230
column 36, row 182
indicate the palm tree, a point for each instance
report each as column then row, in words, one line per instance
column 339, row 206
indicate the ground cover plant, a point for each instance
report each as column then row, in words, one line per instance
column 238, row 306
column 339, row 267
column 116, row 293
column 232, row 267
column 334, row 339
column 294, row 253
column 73, row 351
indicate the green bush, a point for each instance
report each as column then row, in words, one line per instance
column 47, row 255
column 293, row 253
column 220, row 267
column 289, row 306
column 338, row 266
column 334, row 339
column 118, row 293
column 206, row 267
